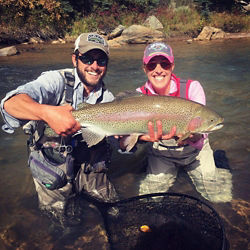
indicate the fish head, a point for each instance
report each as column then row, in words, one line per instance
column 205, row 121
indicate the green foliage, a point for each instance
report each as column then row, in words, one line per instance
column 140, row 5
column 75, row 16
column 206, row 6
column 176, row 3
column 84, row 7
column 102, row 5
column 181, row 20
column 87, row 24
column 106, row 21
column 36, row 14
column 231, row 22
column 203, row 6
column 222, row 5
column 133, row 18
column 95, row 6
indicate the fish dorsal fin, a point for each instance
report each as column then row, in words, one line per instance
column 83, row 105
column 126, row 94
column 90, row 137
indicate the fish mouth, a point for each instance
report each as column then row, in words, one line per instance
column 216, row 127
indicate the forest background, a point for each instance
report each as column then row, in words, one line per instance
column 51, row 19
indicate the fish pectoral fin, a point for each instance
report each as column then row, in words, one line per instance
column 184, row 137
column 90, row 137
column 129, row 141
column 83, row 105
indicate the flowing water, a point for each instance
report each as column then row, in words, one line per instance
column 223, row 69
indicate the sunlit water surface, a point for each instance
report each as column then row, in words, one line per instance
column 223, row 69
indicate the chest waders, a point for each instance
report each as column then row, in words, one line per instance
column 64, row 167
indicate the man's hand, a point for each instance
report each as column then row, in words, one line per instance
column 153, row 136
column 61, row 120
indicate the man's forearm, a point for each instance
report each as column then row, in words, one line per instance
column 23, row 107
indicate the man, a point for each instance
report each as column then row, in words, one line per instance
column 64, row 166
column 166, row 156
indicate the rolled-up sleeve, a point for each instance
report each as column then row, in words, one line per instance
column 108, row 96
column 46, row 89
column 196, row 93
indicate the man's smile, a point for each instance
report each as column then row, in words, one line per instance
column 92, row 73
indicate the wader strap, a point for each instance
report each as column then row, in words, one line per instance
column 145, row 91
column 70, row 81
column 183, row 84
column 100, row 98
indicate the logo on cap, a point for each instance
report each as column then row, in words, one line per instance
column 95, row 38
column 159, row 47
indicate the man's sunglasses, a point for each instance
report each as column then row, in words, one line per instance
column 86, row 59
column 152, row 65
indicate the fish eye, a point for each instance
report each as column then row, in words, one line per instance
column 212, row 120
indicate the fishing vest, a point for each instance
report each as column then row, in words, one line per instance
column 182, row 88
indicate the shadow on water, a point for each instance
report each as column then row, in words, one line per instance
column 223, row 69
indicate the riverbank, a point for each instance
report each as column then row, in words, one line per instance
column 71, row 39
column 237, row 35
column 7, row 41
column 150, row 31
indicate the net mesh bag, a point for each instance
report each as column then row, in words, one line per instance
column 163, row 221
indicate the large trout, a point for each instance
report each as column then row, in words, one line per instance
column 130, row 116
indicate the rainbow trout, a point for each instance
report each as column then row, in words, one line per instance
column 130, row 116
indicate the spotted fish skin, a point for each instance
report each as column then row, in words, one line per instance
column 130, row 116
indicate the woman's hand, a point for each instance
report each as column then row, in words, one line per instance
column 153, row 136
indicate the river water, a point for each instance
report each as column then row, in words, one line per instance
column 223, row 69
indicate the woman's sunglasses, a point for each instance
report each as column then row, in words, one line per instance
column 152, row 65
column 87, row 59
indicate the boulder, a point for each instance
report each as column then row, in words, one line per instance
column 116, row 32
column 9, row 51
column 137, row 34
column 58, row 41
column 35, row 40
column 210, row 33
column 153, row 23
column 117, row 42
column 244, row 4
column 247, row 7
